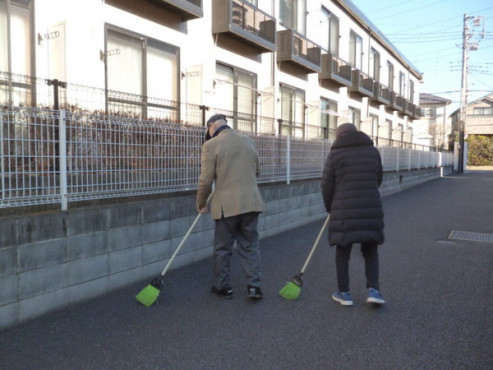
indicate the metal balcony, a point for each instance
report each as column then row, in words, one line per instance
column 409, row 108
column 335, row 72
column 381, row 93
column 243, row 21
column 362, row 84
column 396, row 102
column 295, row 49
column 188, row 9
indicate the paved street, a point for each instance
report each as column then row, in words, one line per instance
column 438, row 315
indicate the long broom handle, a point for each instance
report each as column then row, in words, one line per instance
column 184, row 239
column 315, row 244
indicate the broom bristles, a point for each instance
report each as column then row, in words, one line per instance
column 148, row 295
column 290, row 291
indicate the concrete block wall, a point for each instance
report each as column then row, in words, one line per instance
column 55, row 259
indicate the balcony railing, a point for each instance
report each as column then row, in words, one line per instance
column 335, row 71
column 362, row 84
column 396, row 102
column 381, row 94
column 241, row 20
column 409, row 108
column 294, row 48
column 188, row 9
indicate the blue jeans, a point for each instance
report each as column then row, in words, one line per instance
column 370, row 254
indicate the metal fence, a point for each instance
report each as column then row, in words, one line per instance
column 54, row 156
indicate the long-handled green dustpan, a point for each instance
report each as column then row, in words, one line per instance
column 292, row 289
column 150, row 293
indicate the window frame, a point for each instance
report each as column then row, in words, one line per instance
column 355, row 43
column 292, row 125
column 355, row 117
column 328, row 122
column 374, row 68
column 144, row 104
column 297, row 16
column 390, row 75
column 236, row 116
column 23, row 86
column 332, row 43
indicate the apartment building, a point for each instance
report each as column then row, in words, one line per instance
column 289, row 67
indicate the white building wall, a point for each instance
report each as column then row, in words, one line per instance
column 75, row 55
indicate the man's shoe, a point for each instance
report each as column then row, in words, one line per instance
column 226, row 293
column 343, row 298
column 374, row 296
column 254, row 292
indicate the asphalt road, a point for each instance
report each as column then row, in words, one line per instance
column 438, row 314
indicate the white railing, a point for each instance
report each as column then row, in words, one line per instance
column 50, row 156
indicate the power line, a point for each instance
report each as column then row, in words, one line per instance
column 388, row 7
column 446, row 19
column 411, row 10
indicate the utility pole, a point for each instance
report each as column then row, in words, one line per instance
column 463, row 92
column 466, row 46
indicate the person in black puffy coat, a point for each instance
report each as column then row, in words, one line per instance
column 351, row 177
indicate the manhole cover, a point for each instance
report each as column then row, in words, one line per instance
column 471, row 236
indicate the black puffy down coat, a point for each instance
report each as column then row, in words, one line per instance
column 350, row 181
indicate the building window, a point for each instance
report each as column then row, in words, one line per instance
column 374, row 125
column 485, row 111
column 411, row 91
column 145, row 71
column 402, row 84
column 374, row 64
column 328, row 118
column 292, row 111
column 390, row 68
column 293, row 14
column 235, row 89
column 330, row 32
column 15, row 49
column 429, row 113
column 388, row 134
column 355, row 117
column 355, row 50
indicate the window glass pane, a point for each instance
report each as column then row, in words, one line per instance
column 402, row 84
column 225, row 90
column 286, row 11
column 287, row 100
column 20, row 40
column 162, row 75
column 124, row 63
column 390, row 76
column 359, row 53
column 246, row 93
column 325, row 29
column 352, row 49
column 334, row 36
column 300, row 6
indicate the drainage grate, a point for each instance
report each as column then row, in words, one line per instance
column 471, row 236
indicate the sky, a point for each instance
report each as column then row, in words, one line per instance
column 429, row 33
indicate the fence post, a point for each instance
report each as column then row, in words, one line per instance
column 2, row 163
column 203, row 108
column 63, row 158
column 397, row 160
column 410, row 155
column 382, row 156
column 288, row 159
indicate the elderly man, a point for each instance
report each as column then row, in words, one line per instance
column 231, row 161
